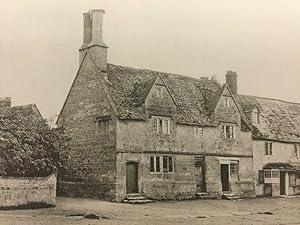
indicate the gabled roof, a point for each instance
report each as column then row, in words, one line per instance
column 279, row 120
column 195, row 98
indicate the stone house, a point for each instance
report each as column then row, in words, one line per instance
column 166, row 136
column 276, row 144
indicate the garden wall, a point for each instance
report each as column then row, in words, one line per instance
column 27, row 192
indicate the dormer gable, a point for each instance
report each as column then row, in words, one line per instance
column 159, row 99
column 226, row 109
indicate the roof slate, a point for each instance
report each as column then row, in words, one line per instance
column 279, row 120
column 195, row 98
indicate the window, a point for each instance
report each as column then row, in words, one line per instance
column 234, row 168
column 268, row 148
column 272, row 173
column 255, row 116
column 227, row 102
column 160, row 92
column 102, row 126
column 163, row 126
column 198, row 131
column 166, row 161
column 268, row 174
column 297, row 150
column 292, row 180
column 229, row 131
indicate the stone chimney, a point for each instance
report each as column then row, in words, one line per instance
column 231, row 81
column 5, row 102
column 92, row 38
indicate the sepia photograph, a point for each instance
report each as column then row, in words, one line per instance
column 134, row 112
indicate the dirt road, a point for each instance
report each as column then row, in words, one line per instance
column 262, row 211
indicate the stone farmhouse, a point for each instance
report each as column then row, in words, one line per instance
column 169, row 136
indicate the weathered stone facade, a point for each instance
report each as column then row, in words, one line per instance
column 93, row 158
column 164, row 135
column 27, row 191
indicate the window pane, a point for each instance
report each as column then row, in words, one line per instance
column 165, row 164
column 275, row 174
column 165, row 126
column 170, row 164
column 157, row 164
column 233, row 168
column 267, row 173
column 266, row 148
column 151, row 164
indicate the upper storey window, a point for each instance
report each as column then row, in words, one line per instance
column 163, row 125
column 227, row 102
column 297, row 150
column 268, row 148
column 229, row 131
column 102, row 126
column 255, row 116
column 198, row 131
column 160, row 92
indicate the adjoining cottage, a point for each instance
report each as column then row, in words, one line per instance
column 276, row 144
column 165, row 136
column 26, row 179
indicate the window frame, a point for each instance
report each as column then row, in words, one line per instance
column 198, row 131
column 268, row 148
column 159, row 92
column 163, row 125
column 227, row 102
column 163, row 168
column 229, row 131
column 102, row 126
column 297, row 150
column 234, row 170
column 273, row 176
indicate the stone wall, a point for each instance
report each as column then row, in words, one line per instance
column 27, row 191
column 92, row 159
column 178, row 185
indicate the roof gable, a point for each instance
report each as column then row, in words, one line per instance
column 159, row 81
column 193, row 97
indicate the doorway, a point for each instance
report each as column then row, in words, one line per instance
column 132, row 177
column 200, row 178
column 225, row 177
column 282, row 183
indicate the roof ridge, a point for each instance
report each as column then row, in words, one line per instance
column 275, row 99
column 156, row 71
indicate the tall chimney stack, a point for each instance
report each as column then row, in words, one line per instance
column 231, row 81
column 93, row 38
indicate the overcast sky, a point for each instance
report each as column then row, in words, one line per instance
column 260, row 39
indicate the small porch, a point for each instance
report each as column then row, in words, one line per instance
column 280, row 179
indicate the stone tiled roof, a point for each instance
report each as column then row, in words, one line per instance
column 195, row 98
column 279, row 120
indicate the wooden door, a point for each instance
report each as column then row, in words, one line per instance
column 225, row 177
column 132, row 177
column 282, row 183
column 200, row 178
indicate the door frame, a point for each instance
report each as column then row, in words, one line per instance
column 137, row 175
